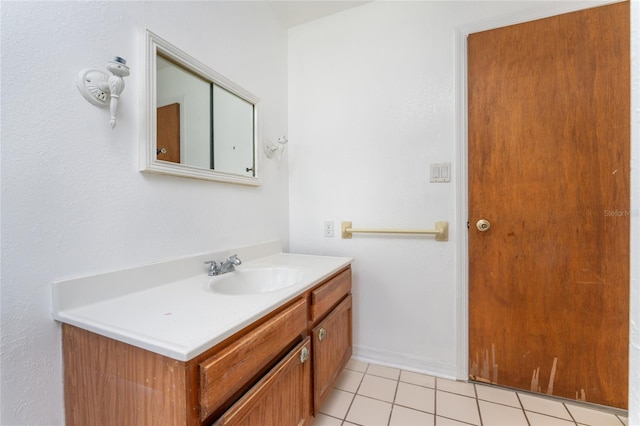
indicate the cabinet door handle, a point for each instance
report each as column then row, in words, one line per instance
column 322, row 333
column 304, row 355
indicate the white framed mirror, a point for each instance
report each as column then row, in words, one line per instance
column 197, row 123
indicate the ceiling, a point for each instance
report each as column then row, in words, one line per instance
column 296, row 12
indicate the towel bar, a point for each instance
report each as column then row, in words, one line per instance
column 441, row 231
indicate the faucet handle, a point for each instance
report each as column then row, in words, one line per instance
column 213, row 265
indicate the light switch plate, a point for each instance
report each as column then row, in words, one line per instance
column 440, row 172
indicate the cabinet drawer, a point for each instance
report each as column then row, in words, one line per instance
column 231, row 369
column 329, row 294
column 282, row 397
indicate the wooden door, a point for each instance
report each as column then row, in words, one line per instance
column 549, row 169
column 168, row 133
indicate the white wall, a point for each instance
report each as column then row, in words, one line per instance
column 371, row 104
column 73, row 202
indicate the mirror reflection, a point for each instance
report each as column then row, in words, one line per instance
column 183, row 115
column 199, row 123
column 232, row 133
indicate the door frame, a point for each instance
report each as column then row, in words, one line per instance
column 461, row 155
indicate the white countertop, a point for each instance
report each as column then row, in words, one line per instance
column 180, row 318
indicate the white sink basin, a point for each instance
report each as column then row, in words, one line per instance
column 254, row 280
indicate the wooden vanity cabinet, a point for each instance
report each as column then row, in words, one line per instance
column 277, row 371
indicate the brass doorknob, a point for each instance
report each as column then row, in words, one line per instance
column 483, row 225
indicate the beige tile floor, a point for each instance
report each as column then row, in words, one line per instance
column 370, row 395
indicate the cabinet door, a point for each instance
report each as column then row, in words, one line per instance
column 281, row 398
column 332, row 348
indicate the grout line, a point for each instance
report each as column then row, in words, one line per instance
column 464, row 395
column 364, row 373
column 570, row 413
column 458, row 421
column 390, row 414
column 522, row 408
column 395, row 395
column 551, row 416
column 346, row 414
column 333, row 417
column 374, row 399
column 411, row 408
column 618, row 417
column 360, row 383
column 475, row 392
column 435, row 400
column 502, row 404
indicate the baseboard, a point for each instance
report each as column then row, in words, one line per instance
column 404, row 362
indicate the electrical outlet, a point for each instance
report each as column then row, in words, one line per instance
column 328, row 228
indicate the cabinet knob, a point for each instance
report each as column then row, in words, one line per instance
column 322, row 333
column 304, row 355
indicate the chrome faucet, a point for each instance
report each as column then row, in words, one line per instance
column 228, row 265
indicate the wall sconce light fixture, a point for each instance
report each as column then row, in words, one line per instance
column 277, row 147
column 101, row 89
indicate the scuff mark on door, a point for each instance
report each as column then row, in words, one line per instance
column 535, row 378
column 552, row 376
column 488, row 371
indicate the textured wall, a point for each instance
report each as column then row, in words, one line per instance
column 73, row 202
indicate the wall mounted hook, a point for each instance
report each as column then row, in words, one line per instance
column 101, row 89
